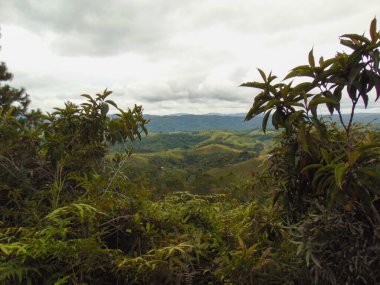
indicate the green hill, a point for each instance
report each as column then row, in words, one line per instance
column 193, row 123
column 200, row 162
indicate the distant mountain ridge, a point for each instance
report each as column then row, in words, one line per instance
column 191, row 123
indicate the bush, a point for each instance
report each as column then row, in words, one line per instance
column 326, row 176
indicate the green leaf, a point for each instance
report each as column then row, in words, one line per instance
column 369, row 146
column 106, row 93
column 325, row 155
column 275, row 120
column 299, row 248
column 307, row 257
column 321, row 61
column 311, row 166
column 356, row 37
column 111, row 103
column 320, row 100
column 303, row 70
column 313, row 110
column 321, row 172
column 255, row 110
column 294, row 104
column 254, row 85
column 241, row 242
column 340, row 171
column 4, row 249
column 252, row 249
column 104, row 109
column 265, row 120
column 271, row 77
column 304, row 86
column 88, row 97
column 348, row 43
column 372, row 30
column 376, row 81
column 328, row 62
column 338, row 94
column 353, row 157
column 330, row 107
column 315, row 260
column 62, row 281
column 371, row 172
column 354, row 72
column 376, row 59
column 262, row 75
column 365, row 199
column 365, row 99
column 293, row 117
column 352, row 92
column 303, row 138
column 311, row 59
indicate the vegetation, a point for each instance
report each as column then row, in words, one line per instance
column 241, row 141
column 77, row 209
column 201, row 162
column 235, row 122
column 327, row 175
column 194, row 123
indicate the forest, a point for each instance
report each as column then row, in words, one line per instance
column 90, row 197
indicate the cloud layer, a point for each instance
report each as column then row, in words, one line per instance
column 171, row 56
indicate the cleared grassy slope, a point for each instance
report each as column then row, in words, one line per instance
column 204, row 162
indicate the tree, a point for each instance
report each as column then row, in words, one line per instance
column 325, row 170
column 19, row 145
column 78, row 136
column 10, row 96
column 294, row 108
column 38, row 150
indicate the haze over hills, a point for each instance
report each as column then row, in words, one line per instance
column 191, row 123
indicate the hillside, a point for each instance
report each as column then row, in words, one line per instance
column 156, row 142
column 200, row 162
column 191, row 123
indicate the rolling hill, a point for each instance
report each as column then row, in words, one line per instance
column 191, row 123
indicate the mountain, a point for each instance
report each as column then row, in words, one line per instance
column 191, row 123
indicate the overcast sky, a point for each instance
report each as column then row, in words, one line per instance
column 171, row 56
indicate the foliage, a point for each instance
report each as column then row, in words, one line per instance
column 72, row 212
column 72, row 215
column 166, row 141
column 320, row 165
column 11, row 99
column 79, row 133
column 220, row 160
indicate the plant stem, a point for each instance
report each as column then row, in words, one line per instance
column 348, row 135
column 341, row 121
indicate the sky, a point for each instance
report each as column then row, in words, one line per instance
column 171, row 56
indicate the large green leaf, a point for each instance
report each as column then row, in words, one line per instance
column 372, row 31
column 263, row 76
column 303, row 70
column 340, row 171
column 265, row 120
column 349, row 44
column 321, row 100
column 254, row 85
column 356, row 37
column 311, row 59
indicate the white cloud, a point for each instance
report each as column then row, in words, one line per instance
column 169, row 55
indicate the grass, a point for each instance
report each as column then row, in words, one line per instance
column 221, row 159
column 215, row 148
column 241, row 169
